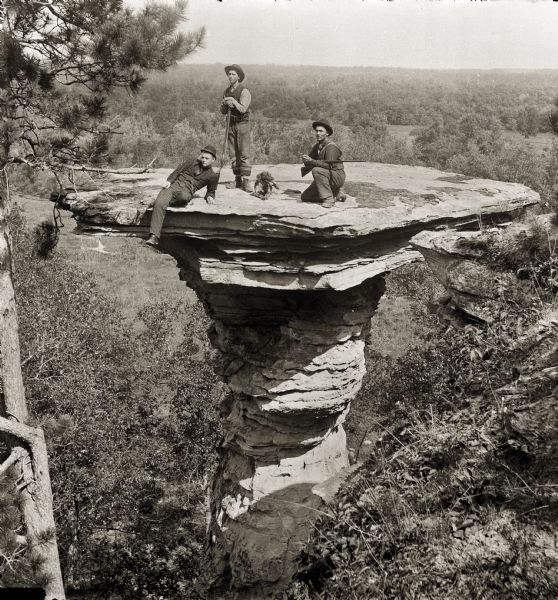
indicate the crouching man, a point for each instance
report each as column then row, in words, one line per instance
column 328, row 171
column 181, row 185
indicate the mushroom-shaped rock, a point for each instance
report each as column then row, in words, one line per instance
column 291, row 288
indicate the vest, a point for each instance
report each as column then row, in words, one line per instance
column 236, row 115
column 334, row 166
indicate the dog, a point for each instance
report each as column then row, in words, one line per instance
column 264, row 185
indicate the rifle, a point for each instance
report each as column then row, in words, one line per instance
column 227, row 126
column 304, row 170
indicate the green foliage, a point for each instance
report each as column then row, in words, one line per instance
column 349, row 96
column 131, row 422
column 46, row 238
column 528, row 121
column 15, row 567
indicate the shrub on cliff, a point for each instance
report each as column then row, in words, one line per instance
column 458, row 498
column 529, row 249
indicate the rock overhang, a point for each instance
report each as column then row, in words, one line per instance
column 285, row 244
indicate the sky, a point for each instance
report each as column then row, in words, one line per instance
column 428, row 34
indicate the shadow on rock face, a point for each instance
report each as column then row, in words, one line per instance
column 256, row 554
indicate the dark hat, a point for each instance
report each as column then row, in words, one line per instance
column 211, row 149
column 323, row 123
column 236, row 68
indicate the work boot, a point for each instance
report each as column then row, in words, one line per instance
column 328, row 202
column 246, row 185
column 152, row 241
column 237, row 183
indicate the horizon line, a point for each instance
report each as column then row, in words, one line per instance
column 486, row 69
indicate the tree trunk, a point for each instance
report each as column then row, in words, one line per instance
column 28, row 448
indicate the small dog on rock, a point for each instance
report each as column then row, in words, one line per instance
column 263, row 188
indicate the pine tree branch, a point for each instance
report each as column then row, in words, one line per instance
column 81, row 168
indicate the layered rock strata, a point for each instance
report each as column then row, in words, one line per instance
column 290, row 288
column 467, row 263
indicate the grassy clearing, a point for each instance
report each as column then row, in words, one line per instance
column 125, row 269
column 403, row 132
column 540, row 143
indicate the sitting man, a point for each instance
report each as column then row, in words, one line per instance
column 181, row 185
column 324, row 161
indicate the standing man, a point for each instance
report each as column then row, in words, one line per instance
column 324, row 161
column 181, row 185
column 236, row 99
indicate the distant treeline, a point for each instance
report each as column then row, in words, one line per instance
column 519, row 101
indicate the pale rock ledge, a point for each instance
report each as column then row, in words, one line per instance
column 291, row 288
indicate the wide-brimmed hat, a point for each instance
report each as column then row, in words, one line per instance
column 236, row 68
column 323, row 123
column 211, row 149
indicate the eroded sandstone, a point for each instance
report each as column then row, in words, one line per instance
column 291, row 289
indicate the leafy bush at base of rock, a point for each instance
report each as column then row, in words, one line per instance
column 458, row 497
column 532, row 255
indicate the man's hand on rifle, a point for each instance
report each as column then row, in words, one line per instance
column 307, row 160
column 229, row 102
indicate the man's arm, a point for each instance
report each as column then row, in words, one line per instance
column 332, row 154
column 172, row 177
column 244, row 104
column 309, row 164
column 211, row 188
column 304, row 170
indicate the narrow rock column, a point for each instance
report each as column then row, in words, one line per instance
column 293, row 361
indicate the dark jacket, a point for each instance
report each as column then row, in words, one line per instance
column 192, row 174
column 330, row 152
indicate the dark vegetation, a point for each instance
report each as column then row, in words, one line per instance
column 132, row 418
column 131, row 432
column 457, row 498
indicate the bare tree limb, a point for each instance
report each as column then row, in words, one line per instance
column 22, row 432
column 16, row 454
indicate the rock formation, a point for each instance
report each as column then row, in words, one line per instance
column 291, row 288
column 469, row 264
column 481, row 289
